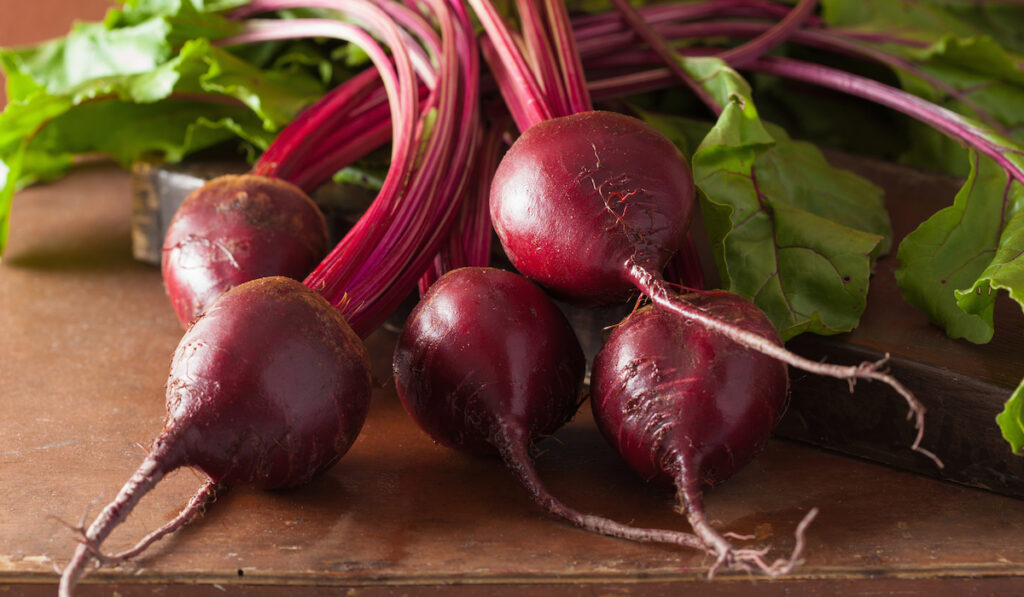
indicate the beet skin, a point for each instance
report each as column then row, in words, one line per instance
column 237, row 228
column 667, row 392
column 579, row 198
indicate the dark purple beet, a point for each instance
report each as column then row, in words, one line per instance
column 592, row 207
column 687, row 406
column 486, row 355
column 486, row 362
column 577, row 199
column 237, row 228
column 667, row 393
column 267, row 389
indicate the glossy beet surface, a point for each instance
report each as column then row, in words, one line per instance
column 269, row 387
column 234, row 229
column 577, row 198
column 668, row 393
column 485, row 355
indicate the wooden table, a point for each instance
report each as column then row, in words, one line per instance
column 86, row 335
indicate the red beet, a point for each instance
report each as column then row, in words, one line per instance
column 579, row 200
column 687, row 406
column 267, row 389
column 485, row 359
column 722, row 400
column 593, row 205
column 487, row 363
column 237, row 228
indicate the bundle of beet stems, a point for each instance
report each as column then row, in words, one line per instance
column 270, row 385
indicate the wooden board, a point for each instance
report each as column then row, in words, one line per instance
column 963, row 385
column 86, row 335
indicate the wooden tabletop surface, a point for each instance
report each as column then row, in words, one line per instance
column 86, row 336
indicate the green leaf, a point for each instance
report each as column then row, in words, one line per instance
column 1002, row 21
column 962, row 66
column 973, row 76
column 1005, row 271
column 970, row 246
column 198, row 97
column 1011, row 420
column 10, row 172
column 901, row 15
column 789, row 231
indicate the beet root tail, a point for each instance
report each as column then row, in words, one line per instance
column 655, row 287
column 157, row 464
column 517, row 458
column 716, row 544
column 206, row 495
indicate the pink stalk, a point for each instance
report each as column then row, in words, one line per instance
column 661, row 48
column 945, row 121
column 608, row 23
column 540, row 56
column 374, row 18
column 469, row 243
column 832, row 40
column 519, row 77
column 574, row 78
column 367, row 128
column 418, row 224
column 762, row 44
column 292, row 145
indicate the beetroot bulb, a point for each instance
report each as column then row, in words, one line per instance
column 688, row 407
column 237, row 228
column 487, row 364
column 267, row 389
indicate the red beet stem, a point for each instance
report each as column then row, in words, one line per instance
column 662, row 49
column 514, row 452
column 654, row 286
column 777, row 34
column 164, row 458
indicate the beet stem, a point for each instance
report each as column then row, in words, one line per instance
column 655, row 287
column 741, row 55
column 517, row 458
column 164, row 458
column 661, row 48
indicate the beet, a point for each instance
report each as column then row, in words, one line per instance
column 579, row 199
column 237, row 228
column 267, row 389
column 593, row 205
column 486, row 363
column 486, row 358
column 688, row 407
